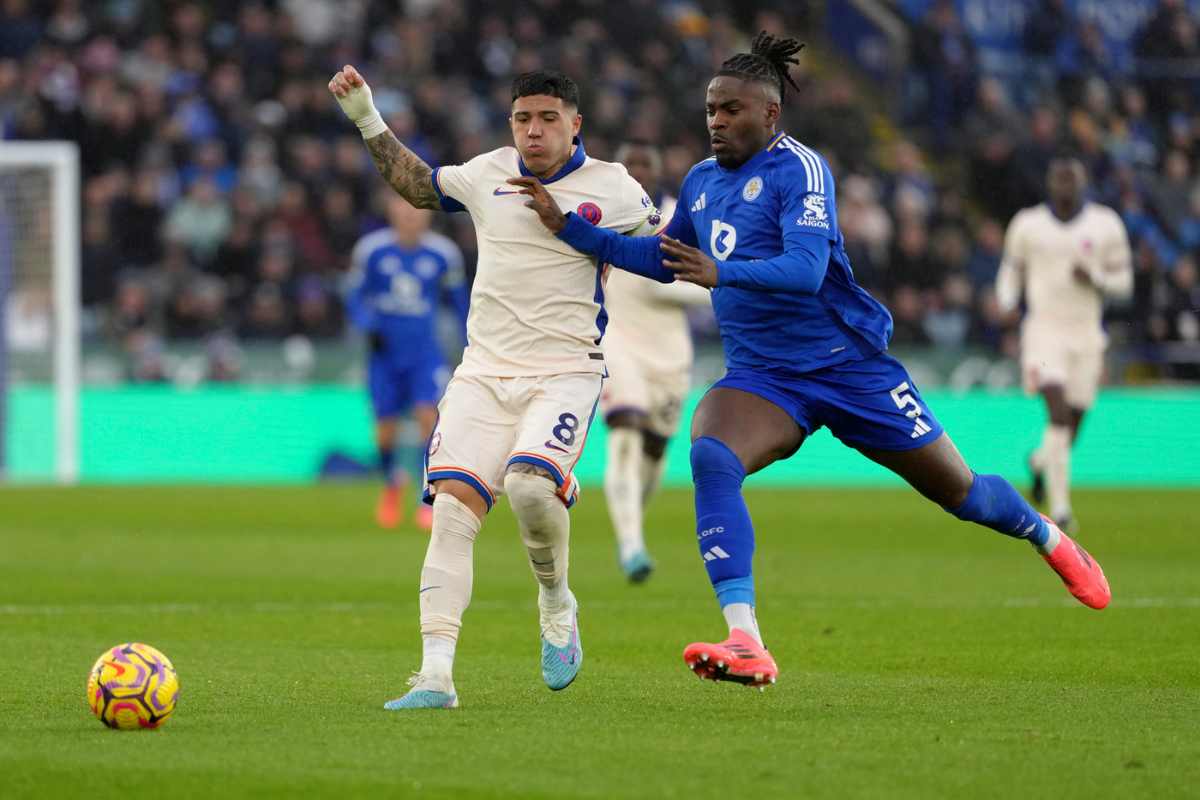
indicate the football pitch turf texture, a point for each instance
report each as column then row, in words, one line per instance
column 919, row 656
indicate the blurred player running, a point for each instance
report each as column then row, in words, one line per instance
column 516, row 414
column 398, row 276
column 804, row 346
column 649, row 352
column 1064, row 256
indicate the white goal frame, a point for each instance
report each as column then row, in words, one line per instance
column 62, row 158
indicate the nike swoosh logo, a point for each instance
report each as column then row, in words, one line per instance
column 427, row 588
column 499, row 192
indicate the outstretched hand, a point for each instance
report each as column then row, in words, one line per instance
column 689, row 264
column 542, row 202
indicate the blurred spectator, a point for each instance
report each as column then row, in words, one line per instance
column 944, row 56
column 200, row 221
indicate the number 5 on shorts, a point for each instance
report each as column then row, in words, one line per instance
column 903, row 400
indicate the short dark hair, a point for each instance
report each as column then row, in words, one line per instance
column 548, row 82
column 767, row 62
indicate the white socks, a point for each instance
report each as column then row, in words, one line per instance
column 623, row 489
column 545, row 529
column 1052, row 540
column 446, row 584
column 741, row 615
column 1056, row 456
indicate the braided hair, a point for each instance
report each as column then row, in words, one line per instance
column 767, row 62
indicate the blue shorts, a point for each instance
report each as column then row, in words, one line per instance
column 396, row 388
column 871, row 404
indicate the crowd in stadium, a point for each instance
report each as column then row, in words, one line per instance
column 223, row 190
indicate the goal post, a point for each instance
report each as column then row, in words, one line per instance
column 40, row 258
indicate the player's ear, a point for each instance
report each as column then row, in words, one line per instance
column 576, row 124
column 773, row 112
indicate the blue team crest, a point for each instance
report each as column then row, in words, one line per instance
column 814, row 214
column 752, row 189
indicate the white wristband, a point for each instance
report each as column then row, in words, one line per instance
column 371, row 126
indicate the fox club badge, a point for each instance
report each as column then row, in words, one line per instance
column 752, row 189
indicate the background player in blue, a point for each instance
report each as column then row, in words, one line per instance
column 804, row 347
column 400, row 273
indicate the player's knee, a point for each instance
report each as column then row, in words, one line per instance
column 530, row 493
column 712, row 460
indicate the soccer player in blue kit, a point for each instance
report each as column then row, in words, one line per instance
column 399, row 275
column 805, row 347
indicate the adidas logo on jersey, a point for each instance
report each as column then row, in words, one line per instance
column 701, row 203
column 713, row 553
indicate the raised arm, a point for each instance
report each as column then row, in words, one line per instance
column 403, row 169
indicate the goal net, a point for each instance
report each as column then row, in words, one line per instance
column 39, row 311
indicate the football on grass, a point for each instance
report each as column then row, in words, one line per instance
column 132, row 686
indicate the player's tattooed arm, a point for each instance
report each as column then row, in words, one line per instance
column 403, row 169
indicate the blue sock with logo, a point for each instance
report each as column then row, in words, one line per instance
column 992, row 501
column 723, row 527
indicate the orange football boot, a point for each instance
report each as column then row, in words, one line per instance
column 740, row 659
column 1079, row 571
column 388, row 511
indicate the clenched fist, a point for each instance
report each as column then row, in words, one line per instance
column 354, row 96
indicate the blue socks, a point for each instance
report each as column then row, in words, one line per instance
column 994, row 502
column 387, row 465
column 723, row 527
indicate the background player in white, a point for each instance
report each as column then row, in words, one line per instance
column 515, row 415
column 649, row 351
column 1064, row 256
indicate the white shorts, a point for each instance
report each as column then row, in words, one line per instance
column 1046, row 362
column 486, row 424
column 632, row 387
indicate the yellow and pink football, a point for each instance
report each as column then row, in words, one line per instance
column 132, row 686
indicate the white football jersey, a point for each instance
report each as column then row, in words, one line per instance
column 537, row 304
column 1040, row 254
column 647, row 318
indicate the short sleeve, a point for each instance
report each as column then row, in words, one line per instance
column 455, row 184
column 635, row 212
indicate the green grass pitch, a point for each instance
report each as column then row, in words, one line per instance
column 919, row 656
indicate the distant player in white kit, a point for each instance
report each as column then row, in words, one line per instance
column 516, row 414
column 649, row 351
column 1064, row 256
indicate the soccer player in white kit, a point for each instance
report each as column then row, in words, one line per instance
column 649, row 351
column 1065, row 257
column 516, row 414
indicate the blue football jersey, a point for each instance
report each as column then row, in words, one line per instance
column 395, row 291
column 774, row 202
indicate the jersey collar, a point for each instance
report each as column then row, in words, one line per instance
column 1065, row 220
column 757, row 158
column 573, row 163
